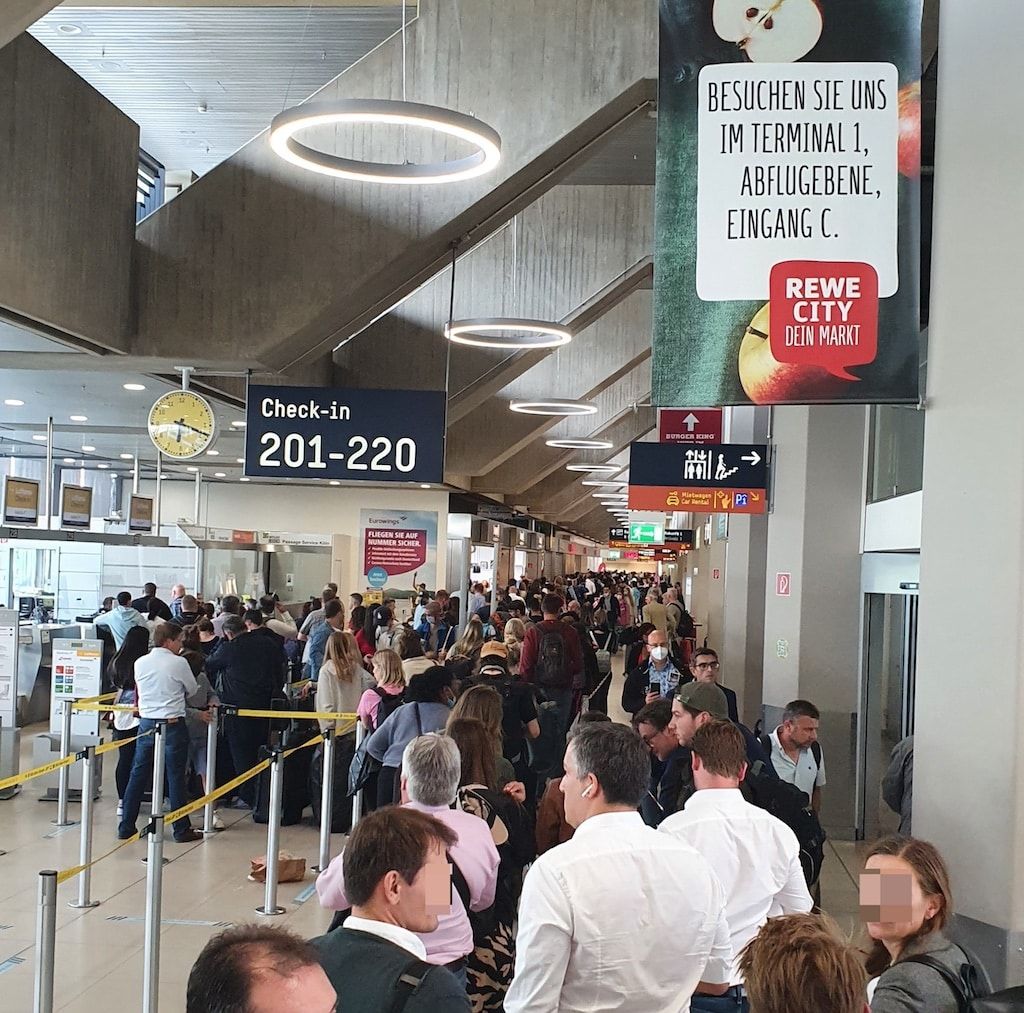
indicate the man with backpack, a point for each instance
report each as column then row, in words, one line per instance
column 755, row 856
column 794, row 751
column 552, row 662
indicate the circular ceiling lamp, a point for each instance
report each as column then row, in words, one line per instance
column 608, row 496
column 601, row 469
column 600, row 482
column 554, row 406
column 580, row 444
column 287, row 124
column 513, row 333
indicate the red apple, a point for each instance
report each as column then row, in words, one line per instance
column 769, row 31
column 909, row 159
column 768, row 381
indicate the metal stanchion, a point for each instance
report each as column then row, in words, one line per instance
column 157, row 805
column 273, row 835
column 85, row 847
column 64, row 774
column 357, row 798
column 46, row 941
column 326, row 801
column 211, row 771
column 151, row 952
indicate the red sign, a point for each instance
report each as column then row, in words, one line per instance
column 824, row 315
column 709, row 501
column 690, row 425
column 716, row 574
column 397, row 550
column 243, row 537
column 782, row 584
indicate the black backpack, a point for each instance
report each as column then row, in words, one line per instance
column 388, row 702
column 788, row 803
column 552, row 671
column 968, row 988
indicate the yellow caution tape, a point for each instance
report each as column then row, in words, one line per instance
column 107, row 747
column 65, row 874
column 294, row 715
column 91, row 705
column 97, row 699
column 46, row 768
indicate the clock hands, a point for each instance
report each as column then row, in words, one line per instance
column 182, row 424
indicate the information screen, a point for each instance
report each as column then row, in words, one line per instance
column 345, row 434
column 21, row 501
column 75, row 506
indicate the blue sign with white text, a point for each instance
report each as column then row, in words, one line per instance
column 345, row 434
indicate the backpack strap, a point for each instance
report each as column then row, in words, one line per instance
column 816, row 753
column 460, row 884
column 766, row 745
column 412, row 976
column 955, row 982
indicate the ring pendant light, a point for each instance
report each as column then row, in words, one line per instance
column 597, row 482
column 290, row 122
column 554, row 406
column 602, row 469
column 581, row 444
column 514, row 333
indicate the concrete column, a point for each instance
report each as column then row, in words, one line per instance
column 812, row 636
column 969, row 735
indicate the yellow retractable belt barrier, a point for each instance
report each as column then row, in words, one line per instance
column 97, row 699
column 91, row 705
column 108, row 747
column 65, row 874
column 290, row 715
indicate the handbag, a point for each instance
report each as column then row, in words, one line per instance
column 362, row 769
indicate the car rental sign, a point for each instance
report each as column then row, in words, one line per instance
column 345, row 434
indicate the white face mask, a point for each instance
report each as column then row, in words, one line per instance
column 659, row 653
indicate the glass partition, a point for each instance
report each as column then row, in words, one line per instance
column 897, row 452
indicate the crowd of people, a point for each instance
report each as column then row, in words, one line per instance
column 520, row 850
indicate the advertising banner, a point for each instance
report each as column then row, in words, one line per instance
column 75, row 506
column 788, row 202
column 396, row 544
column 345, row 434
column 140, row 514
column 21, row 500
column 690, row 425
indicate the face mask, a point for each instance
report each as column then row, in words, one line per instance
column 659, row 653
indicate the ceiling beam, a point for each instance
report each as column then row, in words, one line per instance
column 17, row 15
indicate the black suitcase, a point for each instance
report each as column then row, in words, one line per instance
column 295, row 792
column 341, row 801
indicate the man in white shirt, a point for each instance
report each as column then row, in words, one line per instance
column 398, row 880
column 162, row 681
column 795, row 753
column 755, row 856
column 621, row 917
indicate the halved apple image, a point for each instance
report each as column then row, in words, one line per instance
column 769, row 31
column 765, row 380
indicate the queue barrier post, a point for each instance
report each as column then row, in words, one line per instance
column 270, row 906
column 64, row 775
column 326, row 801
column 85, row 845
column 357, row 798
column 157, row 804
column 154, row 886
column 211, row 771
column 46, row 942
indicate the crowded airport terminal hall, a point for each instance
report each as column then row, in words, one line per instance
column 491, row 521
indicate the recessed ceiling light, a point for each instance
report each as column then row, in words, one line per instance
column 243, row 479
column 601, row 469
column 425, row 485
column 103, row 466
column 40, row 437
column 87, row 448
column 240, row 460
column 134, row 386
column 69, row 460
column 69, row 29
column 125, row 457
column 13, row 402
column 219, row 474
column 238, row 424
column 79, row 418
column 580, row 444
column 164, row 477
column 213, row 453
column 191, row 467
column 334, row 483
column 554, row 406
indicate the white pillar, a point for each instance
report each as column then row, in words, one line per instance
column 969, row 732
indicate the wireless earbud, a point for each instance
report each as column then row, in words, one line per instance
column 586, row 792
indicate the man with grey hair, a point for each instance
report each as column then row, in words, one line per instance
column 431, row 768
column 618, row 917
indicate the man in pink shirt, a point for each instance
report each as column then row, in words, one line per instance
column 431, row 769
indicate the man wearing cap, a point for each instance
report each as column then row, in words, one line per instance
column 518, row 710
column 695, row 704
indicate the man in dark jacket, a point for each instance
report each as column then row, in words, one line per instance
column 189, row 614
column 704, row 667
column 149, row 604
column 398, row 880
column 670, row 764
column 249, row 671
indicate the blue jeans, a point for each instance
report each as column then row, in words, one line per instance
column 554, row 712
column 175, row 764
column 731, row 1002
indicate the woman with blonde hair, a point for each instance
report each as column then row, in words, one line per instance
column 515, row 634
column 340, row 686
column 380, row 700
column 483, row 704
column 465, row 652
column 906, row 902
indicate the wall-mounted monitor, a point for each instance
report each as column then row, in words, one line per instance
column 21, row 500
column 75, row 506
column 140, row 514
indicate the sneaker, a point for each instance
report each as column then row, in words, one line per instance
column 120, row 808
column 240, row 804
column 188, row 837
column 218, row 823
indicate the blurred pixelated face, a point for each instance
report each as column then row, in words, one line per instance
column 892, row 904
column 305, row 990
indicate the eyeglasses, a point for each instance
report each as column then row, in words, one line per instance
column 648, row 739
column 707, row 664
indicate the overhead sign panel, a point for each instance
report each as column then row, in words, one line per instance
column 690, row 425
column 674, row 537
column 345, row 434
column 788, row 202
column 718, row 478
column 640, row 533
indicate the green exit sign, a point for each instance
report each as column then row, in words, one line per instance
column 646, row 534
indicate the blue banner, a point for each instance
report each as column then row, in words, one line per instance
column 345, row 434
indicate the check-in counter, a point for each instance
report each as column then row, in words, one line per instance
column 35, row 664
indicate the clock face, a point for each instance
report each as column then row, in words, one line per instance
column 182, row 424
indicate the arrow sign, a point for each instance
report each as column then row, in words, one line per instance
column 753, row 457
column 691, row 421
column 690, row 425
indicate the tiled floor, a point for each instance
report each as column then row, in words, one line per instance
column 99, row 959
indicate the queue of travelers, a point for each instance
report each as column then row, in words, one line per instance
column 520, row 851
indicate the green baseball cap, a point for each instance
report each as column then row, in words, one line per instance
column 704, row 696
